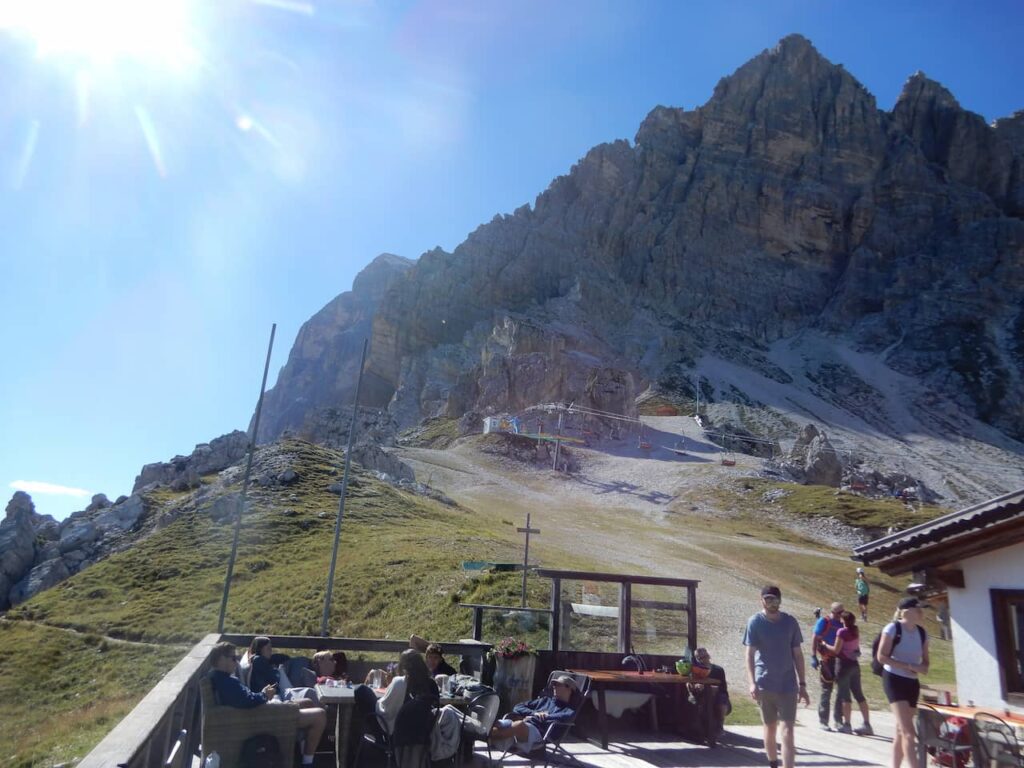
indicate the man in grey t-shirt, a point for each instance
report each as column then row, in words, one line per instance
column 775, row 672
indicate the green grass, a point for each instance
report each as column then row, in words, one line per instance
column 61, row 692
column 822, row 501
column 435, row 433
column 399, row 571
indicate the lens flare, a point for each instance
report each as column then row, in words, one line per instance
column 153, row 32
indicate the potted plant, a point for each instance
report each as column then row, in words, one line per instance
column 515, row 662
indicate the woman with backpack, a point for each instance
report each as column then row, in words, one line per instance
column 847, row 651
column 903, row 654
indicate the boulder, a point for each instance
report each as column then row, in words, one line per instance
column 78, row 532
column 122, row 516
column 17, row 543
column 42, row 576
column 375, row 459
column 814, row 459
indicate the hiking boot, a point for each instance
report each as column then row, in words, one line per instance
column 864, row 730
column 845, row 728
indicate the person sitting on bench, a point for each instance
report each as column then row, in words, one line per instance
column 229, row 691
column 529, row 720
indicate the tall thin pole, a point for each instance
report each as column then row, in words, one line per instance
column 344, row 489
column 245, row 484
column 558, row 444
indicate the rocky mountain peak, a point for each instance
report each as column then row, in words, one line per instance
column 373, row 280
column 920, row 90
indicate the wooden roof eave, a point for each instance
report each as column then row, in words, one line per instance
column 940, row 553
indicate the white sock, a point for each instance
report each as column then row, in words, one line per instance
column 307, row 759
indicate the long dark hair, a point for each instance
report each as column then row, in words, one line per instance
column 257, row 645
column 850, row 622
column 418, row 681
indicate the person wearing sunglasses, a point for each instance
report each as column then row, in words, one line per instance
column 229, row 691
column 775, row 672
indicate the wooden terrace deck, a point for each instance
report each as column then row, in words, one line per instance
column 739, row 746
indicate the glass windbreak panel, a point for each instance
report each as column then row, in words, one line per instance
column 534, row 628
column 590, row 616
column 658, row 619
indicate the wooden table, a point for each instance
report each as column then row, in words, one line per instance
column 342, row 701
column 602, row 680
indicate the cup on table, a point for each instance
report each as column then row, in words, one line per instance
column 376, row 678
column 442, row 683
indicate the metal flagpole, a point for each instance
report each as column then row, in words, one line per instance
column 245, row 484
column 344, row 489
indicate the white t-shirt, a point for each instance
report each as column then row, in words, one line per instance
column 909, row 650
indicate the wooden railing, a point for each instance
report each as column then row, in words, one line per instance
column 144, row 738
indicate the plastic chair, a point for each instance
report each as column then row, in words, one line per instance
column 478, row 719
column 550, row 748
column 996, row 741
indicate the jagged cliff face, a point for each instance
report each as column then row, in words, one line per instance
column 324, row 362
column 788, row 202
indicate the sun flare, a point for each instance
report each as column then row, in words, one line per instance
column 149, row 32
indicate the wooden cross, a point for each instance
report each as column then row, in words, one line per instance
column 526, row 554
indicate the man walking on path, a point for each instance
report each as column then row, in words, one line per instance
column 775, row 672
column 863, row 591
column 824, row 639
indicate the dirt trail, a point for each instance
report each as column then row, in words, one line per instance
column 631, row 512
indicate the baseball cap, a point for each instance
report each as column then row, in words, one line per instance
column 860, row 570
column 771, row 590
column 566, row 680
column 909, row 602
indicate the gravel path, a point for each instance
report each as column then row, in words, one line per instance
column 631, row 511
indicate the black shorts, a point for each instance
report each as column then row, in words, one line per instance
column 899, row 688
column 862, row 599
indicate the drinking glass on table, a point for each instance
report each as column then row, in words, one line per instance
column 376, row 679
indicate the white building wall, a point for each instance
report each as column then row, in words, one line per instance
column 970, row 611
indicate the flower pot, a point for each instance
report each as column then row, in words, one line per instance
column 513, row 680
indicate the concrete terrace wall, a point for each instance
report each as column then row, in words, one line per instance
column 974, row 644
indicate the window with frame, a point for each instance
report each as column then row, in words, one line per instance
column 1008, row 618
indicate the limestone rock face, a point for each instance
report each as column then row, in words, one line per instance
column 184, row 471
column 17, row 543
column 323, row 364
column 814, row 459
column 788, row 203
column 43, row 576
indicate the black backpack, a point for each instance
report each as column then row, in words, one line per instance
column 260, row 751
column 876, row 667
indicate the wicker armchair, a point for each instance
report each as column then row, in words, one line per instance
column 226, row 728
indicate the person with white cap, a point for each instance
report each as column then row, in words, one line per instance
column 529, row 720
column 863, row 591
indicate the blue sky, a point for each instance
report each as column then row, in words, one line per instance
column 156, row 217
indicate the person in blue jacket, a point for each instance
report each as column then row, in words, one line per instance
column 229, row 691
column 530, row 719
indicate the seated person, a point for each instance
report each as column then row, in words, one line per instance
column 325, row 666
column 435, row 661
column 703, row 657
column 263, row 671
column 530, row 719
column 413, row 681
column 230, row 692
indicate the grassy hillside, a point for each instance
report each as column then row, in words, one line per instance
column 399, row 571
column 107, row 634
